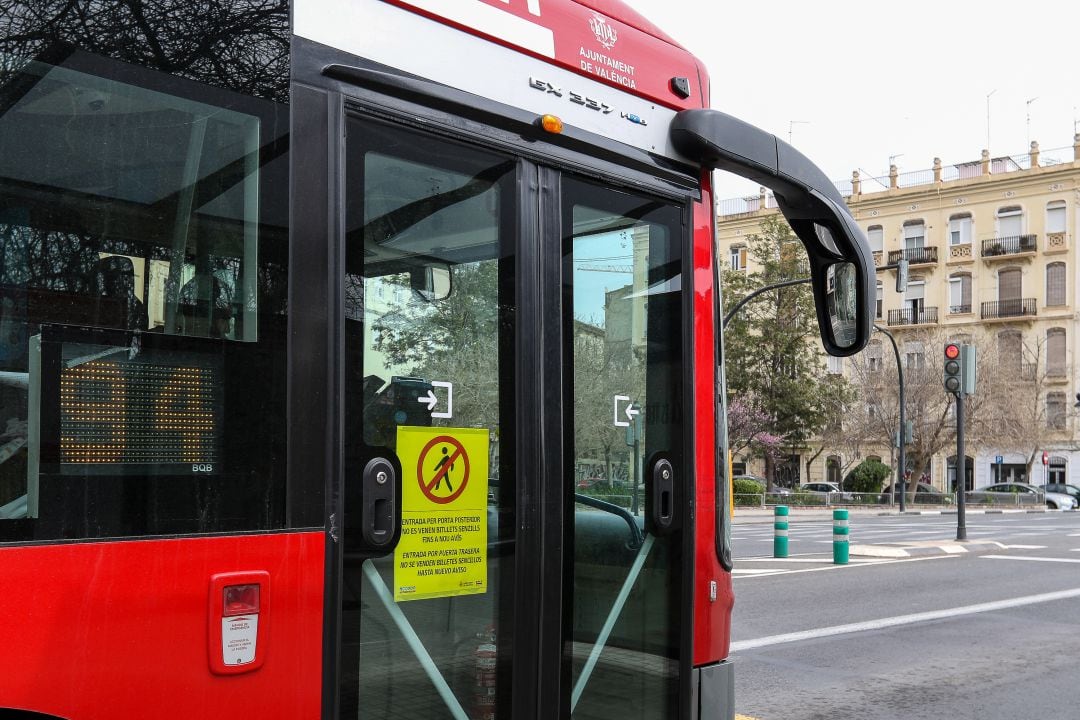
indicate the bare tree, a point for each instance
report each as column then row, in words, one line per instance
column 1028, row 409
column 928, row 407
column 240, row 45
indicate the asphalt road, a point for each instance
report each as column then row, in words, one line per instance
column 992, row 635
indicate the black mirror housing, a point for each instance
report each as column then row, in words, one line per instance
column 813, row 207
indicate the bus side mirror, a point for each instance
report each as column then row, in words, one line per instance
column 841, row 264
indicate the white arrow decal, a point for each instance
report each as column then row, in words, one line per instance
column 449, row 399
column 630, row 411
column 430, row 399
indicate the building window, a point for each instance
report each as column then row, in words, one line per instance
column 1055, row 410
column 1010, row 350
column 960, row 229
column 1055, row 216
column 875, row 235
column 1010, row 286
column 873, row 356
column 1010, row 221
column 880, row 298
column 836, row 365
column 960, row 293
column 1055, row 352
column 914, row 234
column 914, row 357
column 1055, row 284
column 738, row 257
column 915, row 298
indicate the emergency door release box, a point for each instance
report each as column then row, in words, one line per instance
column 237, row 621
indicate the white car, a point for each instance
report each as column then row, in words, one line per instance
column 826, row 488
column 1021, row 494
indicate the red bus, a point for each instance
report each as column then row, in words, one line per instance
column 362, row 358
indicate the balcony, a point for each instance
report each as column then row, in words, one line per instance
column 908, row 316
column 1057, row 242
column 961, row 253
column 914, row 256
column 1004, row 309
column 1008, row 247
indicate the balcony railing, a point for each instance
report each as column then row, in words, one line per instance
column 908, row 316
column 914, row 256
column 1019, row 307
column 1012, row 245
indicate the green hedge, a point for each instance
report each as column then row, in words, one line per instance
column 867, row 477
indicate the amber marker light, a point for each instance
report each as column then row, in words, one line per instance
column 551, row 124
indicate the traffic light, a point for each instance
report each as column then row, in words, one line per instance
column 952, row 378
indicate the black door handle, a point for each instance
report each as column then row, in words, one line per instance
column 378, row 508
column 663, row 495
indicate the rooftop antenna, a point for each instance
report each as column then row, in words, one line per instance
column 791, row 127
column 988, row 118
column 1029, row 119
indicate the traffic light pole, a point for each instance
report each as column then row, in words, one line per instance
column 901, row 462
column 961, row 470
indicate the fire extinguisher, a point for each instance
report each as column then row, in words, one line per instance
column 485, row 659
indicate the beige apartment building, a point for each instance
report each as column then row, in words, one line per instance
column 992, row 247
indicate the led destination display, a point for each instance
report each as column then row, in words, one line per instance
column 159, row 412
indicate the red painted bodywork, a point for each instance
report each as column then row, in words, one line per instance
column 654, row 57
column 119, row 629
column 712, row 620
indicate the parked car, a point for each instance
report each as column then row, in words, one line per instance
column 925, row 493
column 1021, row 494
column 1063, row 488
column 832, row 490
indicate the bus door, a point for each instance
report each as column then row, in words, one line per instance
column 626, row 464
column 514, row 444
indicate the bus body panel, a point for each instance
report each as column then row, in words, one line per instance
column 712, row 603
column 423, row 44
column 593, row 41
column 120, row 629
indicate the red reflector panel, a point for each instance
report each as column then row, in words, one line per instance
column 241, row 600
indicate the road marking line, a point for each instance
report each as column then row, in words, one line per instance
column 819, row 559
column 1025, row 547
column 755, row 571
column 848, row 567
column 903, row 620
column 1030, row 558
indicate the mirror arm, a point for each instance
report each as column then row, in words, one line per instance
column 775, row 286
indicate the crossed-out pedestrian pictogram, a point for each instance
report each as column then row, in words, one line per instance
column 442, row 470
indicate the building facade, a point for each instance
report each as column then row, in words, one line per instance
column 992, row 252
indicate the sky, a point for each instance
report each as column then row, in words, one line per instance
column 858, row 83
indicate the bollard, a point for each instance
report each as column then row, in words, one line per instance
column 780, row 528
column 840, row 537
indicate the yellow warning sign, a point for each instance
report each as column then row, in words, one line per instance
column 443, row 546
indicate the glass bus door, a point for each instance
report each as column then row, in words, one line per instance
column 434, row 616
column 626, row 465
column 427, row 610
